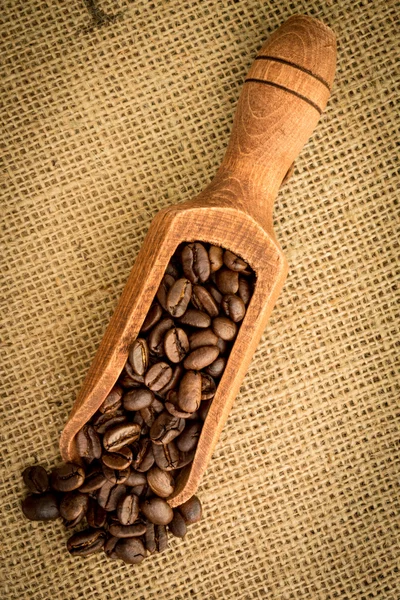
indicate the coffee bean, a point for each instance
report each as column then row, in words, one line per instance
column 233, row 262
column 166, row 428
column 121, row 459
column 222, row 345
column 139, row 356
column 173, row 382
column 244, row 290
column 171, row 405
column 109, row 547
column 204, row 337
column 112, row 401
column 157, row 510
column 178, row 526
column 179, row 297
column 96, row 516
column 67, row 478
column 144, row 458
column 215, row 293
column 158, row 376
column 161, row 482
column 189, row 393
column 73, row 508
column 88, row 443
column 94, row 478
column 208, row 386
column 195, row 318
column 86, row 542
column 149, row 414
column 116, row 475
column 130, row 550
column 156, row 336
column 103, row 422
column 201, row 357
column 110, row 494
column 137, row 399
column 173, row 268
column 136, row 479
column 203, row 300
column 121, row 435
column 166, row 283
column 195, row 262
column 224, row 328
column 36, row 479
column 161, row 537
column 217, row 367
column 191, row 510
column 127, row 531
column 215, row 254
column 166, row 457
column 233, row 307
column 152, row 317
column 204, row 408
column 189, row 437
column 41, row 507
column 227, row 281
column 127, row 510
column 129, row 379
column 176, row 344
column 185, row 458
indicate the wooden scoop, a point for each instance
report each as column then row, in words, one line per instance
column 282, row 99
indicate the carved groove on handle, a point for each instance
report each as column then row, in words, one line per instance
column 295, row 66
column 285, row 89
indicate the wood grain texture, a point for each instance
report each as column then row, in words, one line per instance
column 271, row 126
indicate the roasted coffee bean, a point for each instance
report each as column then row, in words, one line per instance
column 166, row 457
column 94, row 479
column 195, row 262
column 227, row 281
column 195, row 318
column 128, row 378
column 215, row 255
column 139, row 356
column 179, row 297
column 116, row 475
column 189, row 393
column 149, row 414
column 121, row 435
column 176, row 344
column 109, row 547
column 178, row 526
column 244, row 290
column 110, row 494
column 73, row 508
column 156, row 336
column 127, row 531
column 157, row 511
column 86, row 542
column 204, row 337
column 36, row 479
column 137, row 399
column 189, row 437
column 217, row 367
column 215, row 293
column 130, row 550
column 161, row 482
column 233, row 307
column 144, row 458
column 88, row 443
column 173, row 382
column 222, row 345
column 166, row 428
column 208, row 386
column 201, row 357
column 224, row 328
column 185, row 458
column 156, row 538
column 128, row 510
column 121, row 459
column 96, row 516
column 41, row 507
column 233, row 262
column 136, row 479
column 158, row 376
column 152, row 317
column 173, row 268
column 166, row 283
column 102, row 422
column 112, row 401
column 204, row 408
column 191, row 510
column 202, row 300
column 67, row 478
column 171, row 405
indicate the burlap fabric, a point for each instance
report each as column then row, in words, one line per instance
column 104, row 122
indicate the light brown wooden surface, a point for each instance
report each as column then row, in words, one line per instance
column 281, row 102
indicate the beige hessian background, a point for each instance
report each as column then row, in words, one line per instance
column 101, row 126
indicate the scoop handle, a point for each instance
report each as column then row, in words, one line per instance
column 284, row 94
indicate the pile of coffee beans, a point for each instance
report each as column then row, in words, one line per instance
column 143, row 437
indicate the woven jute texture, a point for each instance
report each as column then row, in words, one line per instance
column 111, row 111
